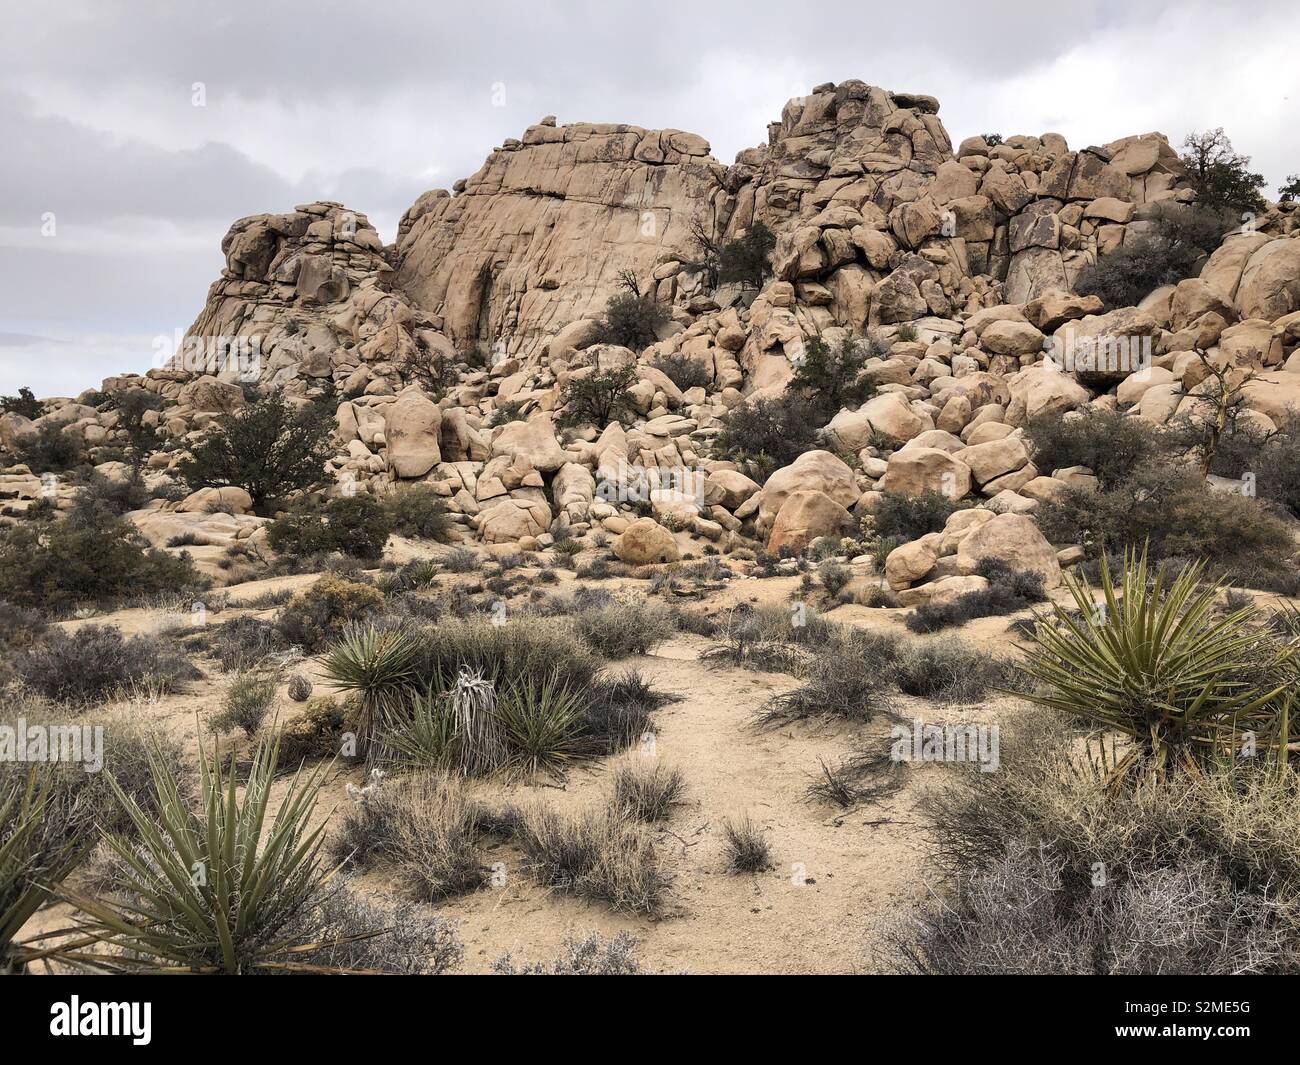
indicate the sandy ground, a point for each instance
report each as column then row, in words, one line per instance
column 840, row 876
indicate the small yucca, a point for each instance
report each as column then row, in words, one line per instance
column 378, row 665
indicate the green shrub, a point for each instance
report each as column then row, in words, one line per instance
column 356, row 526
column 832, row 378
column 269, row 449
column 1219, row 175
column 907, row 517
column 598, row 398
column 745, row 259
column 50, row 450
column 1184, row 236
column 1173, row 514
column 617, row 628
column 631, row 321
column 1110, row 444
column 685, row 371
column 1008, row 591
column 66, row 566
column 418, row 510
column 320, row 613
column 762, row 435
column 25, row 404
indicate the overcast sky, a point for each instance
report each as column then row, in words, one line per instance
column 371, row 104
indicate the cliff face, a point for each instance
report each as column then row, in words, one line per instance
column 879, row 221
column 541, row 234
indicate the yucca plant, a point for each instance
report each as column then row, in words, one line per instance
column 1152, row 661
column 41, row 841
column 227, row 890
column 541, row 722
column 379, row 665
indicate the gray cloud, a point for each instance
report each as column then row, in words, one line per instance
column 308, row 100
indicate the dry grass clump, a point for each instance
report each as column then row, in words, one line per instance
column 595, row 855
column 770, row 638
column 1054, row 872
column 618, row 628
column 868, row 774
column 426, row 827
column 247, row 701
column 847, row 677
column 589, row 956
column 646, row 790
column 745, row 846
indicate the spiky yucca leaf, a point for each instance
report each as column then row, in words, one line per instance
column 223, row 892
column 541, row 722
column 38, row 848
column 377, row 664
column 1152, row 661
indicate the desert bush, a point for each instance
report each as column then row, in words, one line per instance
column 847, row 676
column 1184, row 236
column 647, row 790
column 318, row 732
column 460, row 560
column 102, row 500
column 50, row 450
column 413, row 943
column 745, row 846
column 1172, row 514
column 630, row 321
column 831, row 378
column 1271, row 456
column 240, row 643
column 598, row 398
column 97, row 660
column 594, row 855
column 590, row 956
column 1110, row 444
column 299, row 689
column 1219, row 175
column 1054, row 872
column 417, row 510
column 320, row 613
column 425, row 827
column 770, row 638
column 866, row 775
column 834, row 576
column 618, row 628
column 1184, row 695
column 618, row 711
column 908, row 517
column 764, row 434
column 25, row 404
column 1008, row 591
column 685, row 371
column 247, row 701
column 356, row 526
column 745, row 259
column 947, row 669
column 66, row 566
column 268, row 448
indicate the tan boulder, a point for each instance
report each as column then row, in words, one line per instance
column 411, row 429
column 212, row 500
column 993, row 459
column 645, row 541
column 1015, row 540
column 818, row 471
column 912, row 471
column 804, row 517
column 534, row 440
column 912, row 561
